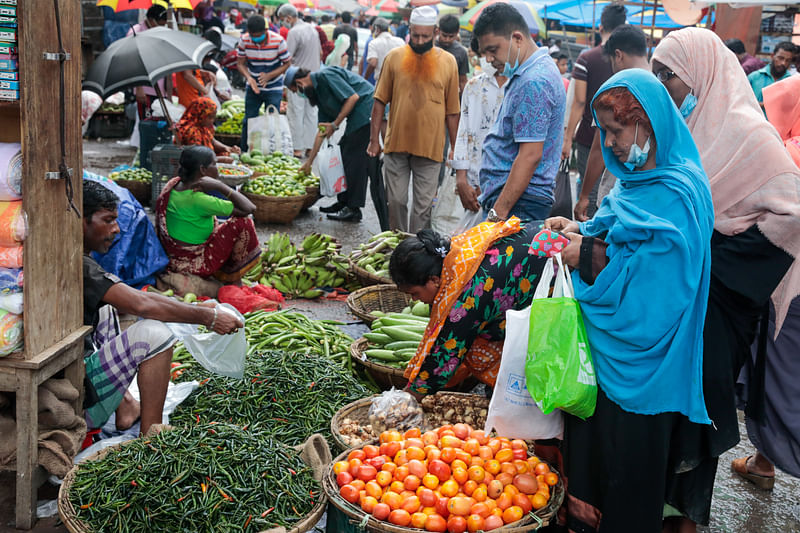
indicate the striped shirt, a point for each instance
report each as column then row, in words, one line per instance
column 266, row 56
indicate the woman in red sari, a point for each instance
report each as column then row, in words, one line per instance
column 196, row 127
column 187, row 227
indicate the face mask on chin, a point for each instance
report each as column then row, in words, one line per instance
column 421, row 48
column 487, row 67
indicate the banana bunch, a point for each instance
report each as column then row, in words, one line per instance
column 373, row 256
column 296, row 272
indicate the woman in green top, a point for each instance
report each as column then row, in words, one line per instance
column 186, row 212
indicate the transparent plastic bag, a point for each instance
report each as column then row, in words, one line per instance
column 221, row 354
column 395, row 409
column 470, row 220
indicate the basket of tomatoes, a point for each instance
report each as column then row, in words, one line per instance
column 441, row 481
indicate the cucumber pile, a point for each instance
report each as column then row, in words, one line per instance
column 133, row 174
column 395, row 336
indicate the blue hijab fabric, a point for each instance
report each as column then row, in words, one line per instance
column 645, row 312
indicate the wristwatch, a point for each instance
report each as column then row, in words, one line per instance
column 494, row 217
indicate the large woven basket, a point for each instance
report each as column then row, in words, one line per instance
column 312, row 195
column 277, row 209
column 385, row 377
column 68, row 515
column 364, row 278
column 228, row 139
column 139, row 189
column 531, row 522
column 358, row 411
column 384, row 298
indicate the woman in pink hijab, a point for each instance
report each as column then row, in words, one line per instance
column 755, row 187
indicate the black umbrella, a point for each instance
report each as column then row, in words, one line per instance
column 145, row 58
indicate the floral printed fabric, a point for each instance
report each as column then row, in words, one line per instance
column 475, row 325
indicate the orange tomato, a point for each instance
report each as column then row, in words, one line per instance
column 512, row 514
column 399, row 517
column 522, row 501
column 480, row 509
column 411, row 504
column 430, row 437
column 411, row 482
column 458, row 463
column 491, row 504
column 407, row 494
column 451, row 442
column 521, row 466
column 343, row 478
column 432, row 453
column 489, row 478
column 476, row 474
column 418, row 520
column 440, row 469
column 412, row 433
column 449, row 488
column 492, row 466
column 448, row 454
column 469, row 487
column 413, row 443
column 381, row 511
column 504, row 443
column 371, row 451
column 551, row 478
column 366, row 472
column 435, row 522
column 519, row 444
column 400, row 473
column 504, row 478
column 442, row 429
column 494, row 444
column 390, row 436
column 414, row 452
column 538, row 501
column 389, row 467
column 477, row 460
column 481, row 493
column 475, row 523
column 417, row 467
column 368, row 505
column 429, row 510
column 544, row 489
column 485, row 453
column 472, row 446
column 356, row 454
column 508, row 468
column 341, row 466
column 401, row 458
column 459, row 505
column 461, row 455
column 374, row 489
column 392, row 499
column 456, row 524
column 503, row 501
column 427, row 498
column 462, row 431
column 541, row 469
column 503, row 455
column 492, row 522
column 354, row 464
column 384, row 478
column 460, row 475
column 495, row 489
column 349, row 493
column 479, row 435
column 396, row 486
column 390, row 449
column 430, row 481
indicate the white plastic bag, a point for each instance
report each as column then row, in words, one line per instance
column 512, row 411
column 222, row 354
column 330, row 169
column 470, row 220
column 270, row 133
column 448, row 211
column 175, row 110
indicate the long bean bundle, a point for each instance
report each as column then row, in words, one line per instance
column 211, row 477
column 291, row 395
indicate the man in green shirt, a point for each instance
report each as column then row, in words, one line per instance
column 340, row 94
column 776, row 70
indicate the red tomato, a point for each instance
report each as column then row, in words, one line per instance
column 448, row 454
column 526, row 483
column 492, row 522
column 519, row 454
column 456, row 524
column 523, row 502
column 371, row 451
column 399, row 517
column 366, row 472
column 381, row 511
column 377, row 462
column 343, row 478
column 412, row 433
column 427, row 497
column 480, row 435
column 435, row 522
column 441, row 430
column 354, row 464
column 430, row 437
column 439, row 469
column 411, row 482
column 390, row 449
column 349, row 493
column 441, row 507
column 417, row 467
column 462, row 431
column 414, row 443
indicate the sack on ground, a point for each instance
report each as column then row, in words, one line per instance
column 330, row 169
column 559, row 367
column 512, row 411
column 270, row 133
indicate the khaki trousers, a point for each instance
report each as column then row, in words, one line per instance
column 398, row 168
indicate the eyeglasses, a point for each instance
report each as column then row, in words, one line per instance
column 665, row 75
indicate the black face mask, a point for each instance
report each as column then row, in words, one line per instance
column 421, row 48
column 309, row 93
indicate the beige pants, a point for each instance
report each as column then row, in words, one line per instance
column 398, row 168
column 302, row 117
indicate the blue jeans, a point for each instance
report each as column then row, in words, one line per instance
column 252, row 105
column 527, row 208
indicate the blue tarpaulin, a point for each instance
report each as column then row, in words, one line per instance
column 585, row 13
column 136, row 255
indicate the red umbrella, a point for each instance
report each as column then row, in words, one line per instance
column 417, row 3
column 124, row 5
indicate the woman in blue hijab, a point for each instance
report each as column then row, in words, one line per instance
column 641, row 275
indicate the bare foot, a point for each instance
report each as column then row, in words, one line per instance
column 128, row 412
column 760, row 465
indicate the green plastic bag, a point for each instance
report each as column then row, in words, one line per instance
column 558, row 367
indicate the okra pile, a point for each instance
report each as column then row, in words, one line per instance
column 209, row 477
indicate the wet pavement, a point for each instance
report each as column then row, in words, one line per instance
column 738, row 506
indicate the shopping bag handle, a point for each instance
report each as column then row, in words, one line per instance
column 563, row 285
column 271, row 109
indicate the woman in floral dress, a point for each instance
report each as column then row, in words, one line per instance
column 470, row 282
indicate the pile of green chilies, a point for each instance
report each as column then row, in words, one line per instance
column 211, row 477
column 291, row 395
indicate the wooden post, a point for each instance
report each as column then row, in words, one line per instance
column 653, row 25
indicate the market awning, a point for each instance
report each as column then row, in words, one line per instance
column 586, row 14
column 526, row 9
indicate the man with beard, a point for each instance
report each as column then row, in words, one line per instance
column 776, row 70
column 341, row 94
column 421, row 84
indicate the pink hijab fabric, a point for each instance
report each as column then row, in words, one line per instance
column 782, row 103
column 753, row 178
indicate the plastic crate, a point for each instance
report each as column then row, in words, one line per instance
column 109, row 126
column 165, row 159
column 151, row 134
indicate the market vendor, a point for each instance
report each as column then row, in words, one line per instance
column 341, row 95
column 470, row 282
column 186, row 223
column 196, row 127
column 145, row 348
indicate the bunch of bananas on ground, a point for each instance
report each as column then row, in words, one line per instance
column 373, row 256
column 297, row 272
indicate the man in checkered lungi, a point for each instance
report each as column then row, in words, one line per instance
column 115, row 357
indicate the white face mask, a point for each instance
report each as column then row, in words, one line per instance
column 487, row 67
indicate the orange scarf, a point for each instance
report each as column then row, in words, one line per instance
column 466, row 254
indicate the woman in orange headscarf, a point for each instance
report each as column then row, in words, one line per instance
column 196, row 127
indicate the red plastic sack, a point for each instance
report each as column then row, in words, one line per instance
column 247, row 299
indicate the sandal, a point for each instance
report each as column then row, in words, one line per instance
column 739, row 466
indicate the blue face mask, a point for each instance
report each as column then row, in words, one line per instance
column 259, row 39
column 688, row 105
column 509, row 71
column 637, row 156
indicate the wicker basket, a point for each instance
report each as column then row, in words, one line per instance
column 364, row 278
column 359, row 412
column 385, row 377
column 312, row 195
column 68, row 515
column 277, row 209
column 531, row 522
column 228, row 139
column 384, row 298
column 139, row 189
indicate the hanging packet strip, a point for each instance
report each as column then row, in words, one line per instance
column 11, row 256
column 11, row 333
column 13, row 223
column 11, row 303
column 10, row 171
column 11, row 280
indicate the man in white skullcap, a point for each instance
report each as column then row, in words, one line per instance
column 421, row 83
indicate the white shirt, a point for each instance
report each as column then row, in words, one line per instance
column 381, row 45
column 480, row 102
column 303, row 43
